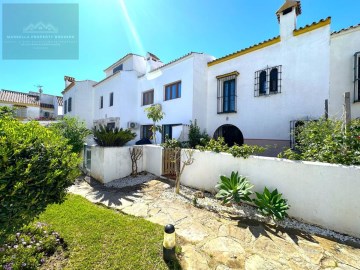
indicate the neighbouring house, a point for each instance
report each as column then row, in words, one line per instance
column 257, row 95
column 78, row 99
column 32, row 105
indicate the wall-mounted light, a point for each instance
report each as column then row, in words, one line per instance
column 169, row 243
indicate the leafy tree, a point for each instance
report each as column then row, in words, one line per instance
column 327, row 141
column 105, row 136
column 196, row 137
column 6, row 111
column 155, row 114
column 73, row 130
column 36, row 167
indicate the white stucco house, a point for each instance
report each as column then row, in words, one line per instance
column 256, row 95
column 32, row 105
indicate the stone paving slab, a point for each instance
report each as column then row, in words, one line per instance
column 210, row 241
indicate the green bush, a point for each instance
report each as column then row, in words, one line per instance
column 327, row 141
column 219, row 145
column 36, row 167
column 245, row 150
column 105, row 136
column 234, row 189
column 271, row 204
column 196, row 137
column 171, row 143
column 6, row 111
column 216, row 146
column 73, row 130
column 30, row 247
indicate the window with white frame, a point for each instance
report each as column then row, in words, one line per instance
column 357, row 77
column 268, row 81
column 226, row 93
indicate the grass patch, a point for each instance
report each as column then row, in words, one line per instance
column 101, row 238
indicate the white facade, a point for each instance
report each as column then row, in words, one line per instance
column 343, row 66
column 301, row 93
column 306, row 62
column 81, row 94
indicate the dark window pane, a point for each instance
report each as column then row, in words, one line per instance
column 101, row 102
column 262, row 83
column 118, row 68
column 274, row 80
column 111, row 99
column 69, row 104
column 65, row 107
column 173, row 91
column 179, row 89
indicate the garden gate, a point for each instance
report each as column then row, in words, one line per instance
column 169, row 163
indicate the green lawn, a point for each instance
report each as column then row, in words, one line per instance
column 101, row 238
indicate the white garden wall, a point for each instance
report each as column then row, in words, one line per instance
column 152, row 159
column 110, row 163
column 319, row 193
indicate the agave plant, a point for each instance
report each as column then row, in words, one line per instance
column 234, row 189
column 271, row 204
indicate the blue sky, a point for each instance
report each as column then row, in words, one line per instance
column 109, row 29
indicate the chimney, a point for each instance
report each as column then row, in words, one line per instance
column 287, row 15
column 68, row 80
column 152, row 62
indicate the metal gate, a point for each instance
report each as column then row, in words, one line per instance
column 169, row 169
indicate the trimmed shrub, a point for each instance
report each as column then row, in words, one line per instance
column 105, row 136
column 36, row 167
column 73, row 130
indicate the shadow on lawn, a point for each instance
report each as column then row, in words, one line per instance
column 258, row 229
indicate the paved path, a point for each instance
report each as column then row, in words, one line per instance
column 210, row 241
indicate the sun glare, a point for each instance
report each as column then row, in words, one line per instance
column 133, row 32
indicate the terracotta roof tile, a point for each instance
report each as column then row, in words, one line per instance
column 18, row 97
column 313, row 24
column 173, row 61
column 243, row 50
column 346, row 29
column 121, row 59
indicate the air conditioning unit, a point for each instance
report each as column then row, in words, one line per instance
column 132, row 125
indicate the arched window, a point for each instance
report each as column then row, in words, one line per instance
column 273, row 80
column 262, row 83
